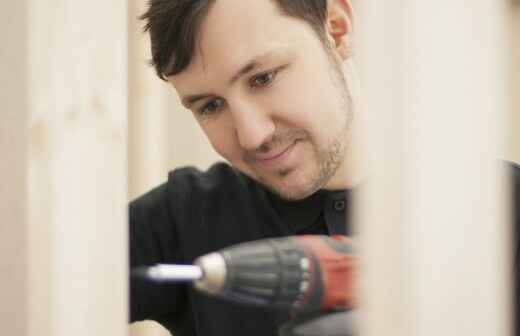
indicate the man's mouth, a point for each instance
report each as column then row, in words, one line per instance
column 274, row 158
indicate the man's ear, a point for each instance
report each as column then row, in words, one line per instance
column 339, row 26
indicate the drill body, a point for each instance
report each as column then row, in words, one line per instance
column 304, row 274
column 310, row 276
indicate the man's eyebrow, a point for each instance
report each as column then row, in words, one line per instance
column 251, row 65
column 254, row 63
column 192, row 99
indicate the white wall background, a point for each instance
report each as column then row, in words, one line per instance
column 162, row 134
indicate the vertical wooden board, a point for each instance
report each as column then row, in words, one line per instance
column 77, row 165
column 433, row 223
column 459, row 106
column 382, row 199
column 13, row 174
column 514, row 77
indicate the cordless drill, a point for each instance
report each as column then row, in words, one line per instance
column 305, row 274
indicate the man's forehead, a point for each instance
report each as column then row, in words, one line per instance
column 233, row 24
column 236, row 32
column 238, row 8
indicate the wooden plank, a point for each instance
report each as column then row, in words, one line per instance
column 513, row 152
column 64, row 193
column 433, row 229
column 13, row 174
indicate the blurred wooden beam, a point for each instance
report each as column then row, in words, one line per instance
column 64, row 189
column 433, row 224
column 513, row 28
column 13, row 173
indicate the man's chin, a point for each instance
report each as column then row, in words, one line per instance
column 289, row 189
column 290, row 184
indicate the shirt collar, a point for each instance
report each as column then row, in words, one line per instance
column 303, row 213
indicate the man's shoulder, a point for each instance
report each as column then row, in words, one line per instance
column 514, row 173
column 219, row 175
column 189, row 184
column 218, row 180
column 515, row 170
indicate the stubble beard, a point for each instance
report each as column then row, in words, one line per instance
column 328, row 159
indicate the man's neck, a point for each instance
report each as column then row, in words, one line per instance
column 349, row 173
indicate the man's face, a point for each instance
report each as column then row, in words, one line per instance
column 268, row 95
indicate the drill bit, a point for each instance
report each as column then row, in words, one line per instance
column 208, row 274
column 169, row 273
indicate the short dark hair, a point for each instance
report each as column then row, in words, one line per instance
column 173, row 26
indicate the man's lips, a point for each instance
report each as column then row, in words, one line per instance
column 268, row 157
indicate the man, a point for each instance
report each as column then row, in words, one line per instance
column 271, row 83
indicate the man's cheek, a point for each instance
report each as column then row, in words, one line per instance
column 227, row 149
column 222, row 151
column 297, row 107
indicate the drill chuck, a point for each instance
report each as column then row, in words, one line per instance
column 214, row 270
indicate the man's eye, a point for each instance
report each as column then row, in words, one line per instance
column 263, row 79
column 211, row 107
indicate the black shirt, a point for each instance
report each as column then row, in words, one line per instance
column 196, row 213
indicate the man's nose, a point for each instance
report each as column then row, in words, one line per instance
column 253, row 125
